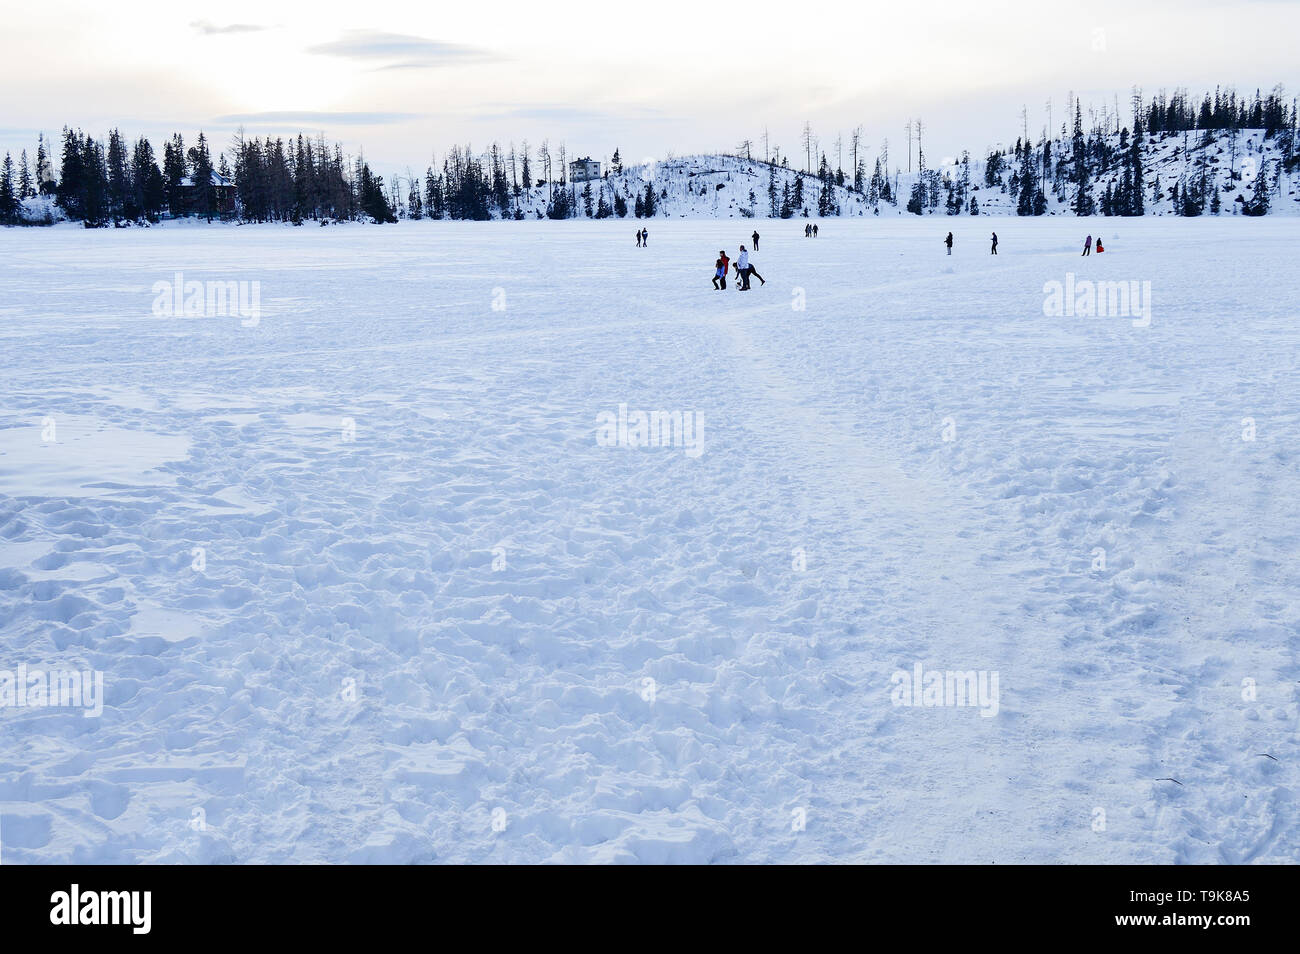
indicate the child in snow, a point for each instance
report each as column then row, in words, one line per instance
column 948, row 242
column 1099, row 248
column 720, row 271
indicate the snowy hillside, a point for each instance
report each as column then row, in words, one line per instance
column 716, row 186
column 709, row 187
column 1167, row 159
column 720, row 187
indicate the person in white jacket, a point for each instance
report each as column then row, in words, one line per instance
column 744, row 270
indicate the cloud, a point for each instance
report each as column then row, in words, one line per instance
column 208, row 28
column 311, row 118
column 575, row 114
column 404, row 52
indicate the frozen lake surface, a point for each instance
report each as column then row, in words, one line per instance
column 367, row 582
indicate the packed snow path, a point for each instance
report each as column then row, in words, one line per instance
column 364, row 584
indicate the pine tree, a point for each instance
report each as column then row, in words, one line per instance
column 8, row 197
column 150, row 191
column 1259, row 202
column 174, row 172
column 44, row 176
column 1136, row 197
column 916, row 201
column 70, row 180
column 200, row 161
column 119, row 182
column 650, row 203
column 25, row 190
column 1031, row 200
column 1083, row 204
column 94, row 183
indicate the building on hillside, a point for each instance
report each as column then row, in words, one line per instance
column 223, row 190
column 584, row 170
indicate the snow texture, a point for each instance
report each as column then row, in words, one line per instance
column 366, row 586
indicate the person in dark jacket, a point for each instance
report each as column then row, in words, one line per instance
column 994, row 249
column 814, row 231
column 638, row 238
column 807, row 230
column 948, row 242
column 755, row 238
column 645, row 237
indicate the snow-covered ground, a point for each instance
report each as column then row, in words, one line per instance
column 365, row 583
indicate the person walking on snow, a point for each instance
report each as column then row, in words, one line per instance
column 814, row 231
column 994, row 250
column 948, row 242
column 745, row 270
column 755, row 238
column 638, row 238
column 720, row 271
column 807, row 230
column 645, row 237
column 1087, row 246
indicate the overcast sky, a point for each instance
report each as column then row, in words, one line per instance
column 409, row 79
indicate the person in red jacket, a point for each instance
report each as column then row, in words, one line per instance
column 720, row 271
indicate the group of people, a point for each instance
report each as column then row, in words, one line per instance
column 744, row 269
column 993, row 250
column 642, row 237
